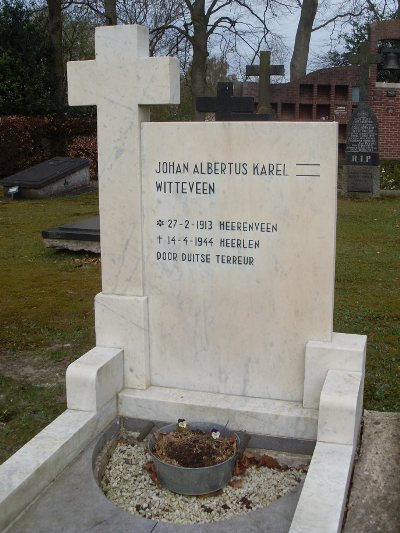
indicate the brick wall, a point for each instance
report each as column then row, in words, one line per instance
column 385, row 107
column 326, row 94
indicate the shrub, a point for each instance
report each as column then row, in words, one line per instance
column 85, row 146
column 26, row 141
column 390, row 174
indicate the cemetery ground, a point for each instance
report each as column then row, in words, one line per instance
column 48, row 320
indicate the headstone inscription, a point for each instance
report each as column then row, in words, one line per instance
column 361, row 169
column 264, row 71
column 239, row 235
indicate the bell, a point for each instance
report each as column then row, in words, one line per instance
column 390, row 61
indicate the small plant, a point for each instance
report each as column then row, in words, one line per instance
column 390, row 174
column 194, row 448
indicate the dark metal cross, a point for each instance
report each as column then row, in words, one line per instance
column 264, row 71
column 365, row 59
column 225, row 105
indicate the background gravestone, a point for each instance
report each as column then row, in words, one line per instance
column 361, row 170
column 49, row 178
column 80, row 235
column 264, row 71
column 225, row 105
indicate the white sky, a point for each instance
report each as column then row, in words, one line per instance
column 320, row 42
column 285, row 27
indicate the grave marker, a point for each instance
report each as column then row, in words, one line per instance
column 239, row 236
column 49, row 178
column 361, row 169
column 218, row 282
column 264, row 71
column 81, row 235
column 245, row 213
column 225, row 105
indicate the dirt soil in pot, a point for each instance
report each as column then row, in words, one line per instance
column 194, row 448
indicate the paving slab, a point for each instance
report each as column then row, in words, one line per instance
column 374, row 502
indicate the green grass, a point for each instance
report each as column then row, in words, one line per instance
column 47, row 302
column 48, row 295
column 367, row 296
column 25, row 409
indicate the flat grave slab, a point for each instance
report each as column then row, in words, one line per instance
column 81, row 235
column 48, row 178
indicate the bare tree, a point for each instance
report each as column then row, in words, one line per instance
column 57, row 60
column 315, row 15
column 298, row 63
column 110, row 12
column 228, row 24
column 189, row 28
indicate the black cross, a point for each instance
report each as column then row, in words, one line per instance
column 264, row 71
column 225, row 105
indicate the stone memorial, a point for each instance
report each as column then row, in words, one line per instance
column 218, row 264
column 225, row 105
column 361, row 176
column 264, row 71
column 75, row 236
column 50, row 178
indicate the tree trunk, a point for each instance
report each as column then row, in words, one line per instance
column 200, row 53
column 298, row 63
column 57, row 60
column 110, row 11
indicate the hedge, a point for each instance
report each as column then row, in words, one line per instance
column 28, row 140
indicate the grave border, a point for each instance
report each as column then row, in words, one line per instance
column 28, row 473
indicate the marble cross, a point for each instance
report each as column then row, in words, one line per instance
column 365, row 59
column 121, row 81
column 264, row 71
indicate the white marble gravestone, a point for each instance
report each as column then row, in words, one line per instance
column 218, row 247
column 239, row 252
column 218, row 254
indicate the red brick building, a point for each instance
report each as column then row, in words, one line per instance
column 384, row 98
column 332, row 94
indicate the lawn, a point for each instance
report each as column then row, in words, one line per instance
column 46, row 313
column 47, row 317
column 367, row 296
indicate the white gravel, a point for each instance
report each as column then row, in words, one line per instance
column 129, row 486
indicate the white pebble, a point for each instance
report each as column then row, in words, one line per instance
column 130, row 487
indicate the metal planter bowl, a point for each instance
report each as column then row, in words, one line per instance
column 194, row 481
